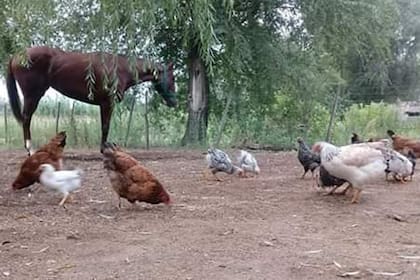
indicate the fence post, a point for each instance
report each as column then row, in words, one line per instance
column 6, row 132
column 223, row 120
column 333, row 112
column 146, row 120
column 73, row 123
column 130, row 118
column 57, row 117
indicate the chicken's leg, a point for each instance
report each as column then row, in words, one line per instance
column 343, row 192
column 356, row 195
column 303, row 175
column 119, row 202
column 217, row 178
column 66, row 195
column 332, row 191
column 206, row 174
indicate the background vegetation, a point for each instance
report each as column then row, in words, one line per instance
column 270, row 70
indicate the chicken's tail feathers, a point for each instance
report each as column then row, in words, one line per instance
column 110, row 148
column 80, row 171
column 411, row 155
column 313, row 166
column 390, row 132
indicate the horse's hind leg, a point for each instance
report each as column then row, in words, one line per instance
column 29, row 107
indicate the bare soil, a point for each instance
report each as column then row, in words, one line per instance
column 276, row 226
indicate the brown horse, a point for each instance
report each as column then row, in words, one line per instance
column 95, row 78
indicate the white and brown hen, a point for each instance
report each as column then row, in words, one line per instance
column 359, row 164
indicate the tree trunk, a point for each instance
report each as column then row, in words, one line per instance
column 146, row 120
column 6, row 132
column 57, row 117
column 73, row 123
column 198, row 90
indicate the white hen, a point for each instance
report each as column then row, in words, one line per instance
column 63, row 181
column 358, row 164
column 399, row 166
column 248, row 163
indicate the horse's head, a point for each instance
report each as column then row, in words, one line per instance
column 165, row 85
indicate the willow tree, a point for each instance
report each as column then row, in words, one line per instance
column 348, row 31
column 128, row 27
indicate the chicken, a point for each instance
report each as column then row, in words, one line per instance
column 63, row 181
column 359, row 164
column 399, row 166
column 248, row 163
column 400, row 143
column 130, row 180
column 308, row 159
column 412, row 158
column 219, row 161
column 325, row 179
column 355, row 138
column 51, row 153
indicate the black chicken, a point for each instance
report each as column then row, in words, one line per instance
column 355, row 138
column 308, row 159
column 325, row 179
column 412, row 158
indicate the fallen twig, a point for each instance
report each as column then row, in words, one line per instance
column 396, row 217
column 349, row 274
column 311, row 265
column 42, row 250
column 385, row 273
column 106, row 217
column 410, row 257
column 337, row 264
column 313, row 252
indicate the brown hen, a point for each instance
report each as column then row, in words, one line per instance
column 131, row 180
column 404, row 144
column 51, row 153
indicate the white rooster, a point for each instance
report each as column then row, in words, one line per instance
column 248, row 163
column 63, row 181
column 359, row 164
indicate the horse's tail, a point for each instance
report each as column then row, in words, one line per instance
column 13, row 94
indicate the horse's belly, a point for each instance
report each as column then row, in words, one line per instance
column 75, row 94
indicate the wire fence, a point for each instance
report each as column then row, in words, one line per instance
column 135, row 125
column 130, row 127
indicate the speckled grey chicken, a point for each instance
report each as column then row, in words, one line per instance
column 219, row 161
column 308, row 159
column 248, row 163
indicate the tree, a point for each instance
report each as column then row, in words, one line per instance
column 351, row 31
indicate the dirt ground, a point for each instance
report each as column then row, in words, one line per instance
column 276, row 226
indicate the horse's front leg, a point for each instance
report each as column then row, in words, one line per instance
column 106, row 113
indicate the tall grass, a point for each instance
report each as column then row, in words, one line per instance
column 374, row 120
column 167, row 126
column 84, row 129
